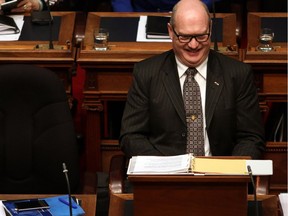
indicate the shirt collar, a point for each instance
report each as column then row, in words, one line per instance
column 202, row 69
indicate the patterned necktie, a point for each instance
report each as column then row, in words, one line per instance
column 194, row 117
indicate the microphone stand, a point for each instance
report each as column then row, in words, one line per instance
column 50, row 45
column 50, row 26
column 254, row 189
column 65, row 171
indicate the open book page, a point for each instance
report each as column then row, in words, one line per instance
column 159, row 164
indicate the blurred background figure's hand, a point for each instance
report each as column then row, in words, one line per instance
column 26, row 6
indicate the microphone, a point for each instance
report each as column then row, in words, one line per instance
column 215, row 27
column 254, row 189
column 65, row 171
column 51, row 46
column 45, row 18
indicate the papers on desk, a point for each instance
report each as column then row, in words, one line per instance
column 159, row 164
column 8, row 25
column 141, row 32
column 181, row 164
column 19, row 20
column 2, row 211
column 283, row 198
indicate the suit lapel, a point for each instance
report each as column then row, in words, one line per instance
column 215, row 84
column 172, row 85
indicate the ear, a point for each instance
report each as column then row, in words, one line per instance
column 170, row 30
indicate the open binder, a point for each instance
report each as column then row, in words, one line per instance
column 188, row 164
column 8, row 25
column 8, row 5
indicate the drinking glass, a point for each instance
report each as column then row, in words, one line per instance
column 265, row 40
column 101, row 37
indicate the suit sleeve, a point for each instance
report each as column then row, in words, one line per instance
column 135, row 122
column 250, row 129
column 122, row 6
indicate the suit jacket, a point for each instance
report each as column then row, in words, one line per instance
column 143, row 5
column 149, row 5
column 154, row 117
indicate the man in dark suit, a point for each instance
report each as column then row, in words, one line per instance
column 154, row 119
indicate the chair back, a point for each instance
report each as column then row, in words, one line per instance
column 36, row 132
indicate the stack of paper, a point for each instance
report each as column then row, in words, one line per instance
column 283, row 198
column 19, row 21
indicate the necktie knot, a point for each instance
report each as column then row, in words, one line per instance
column 191, row 72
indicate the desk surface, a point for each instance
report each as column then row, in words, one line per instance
column 88, row 200
column 33, row 50
column 279, row 54
column 131, row 52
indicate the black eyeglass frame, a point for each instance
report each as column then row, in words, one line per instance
column 191, row 36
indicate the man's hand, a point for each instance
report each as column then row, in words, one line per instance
column 26, row 6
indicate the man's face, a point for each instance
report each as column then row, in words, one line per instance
column 191, row 52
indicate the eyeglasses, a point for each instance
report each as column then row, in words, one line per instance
column 187, row 38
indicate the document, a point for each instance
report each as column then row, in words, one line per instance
column 2, row 211
column 160, row 164
column 187, row 163
column 283, row 198
column 19, row 21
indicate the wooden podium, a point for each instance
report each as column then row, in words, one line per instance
column 187, row 194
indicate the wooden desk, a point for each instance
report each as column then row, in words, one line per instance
column 108, row 78
column 88, row 200
column 256, row 21
column 122, row 204
column 60, row 59
column 271, row 79
column 270, row 67
column 182, row 194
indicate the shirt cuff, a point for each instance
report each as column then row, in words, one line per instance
column 40, row 5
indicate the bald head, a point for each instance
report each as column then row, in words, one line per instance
column 189, row 9
column 190, row 30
